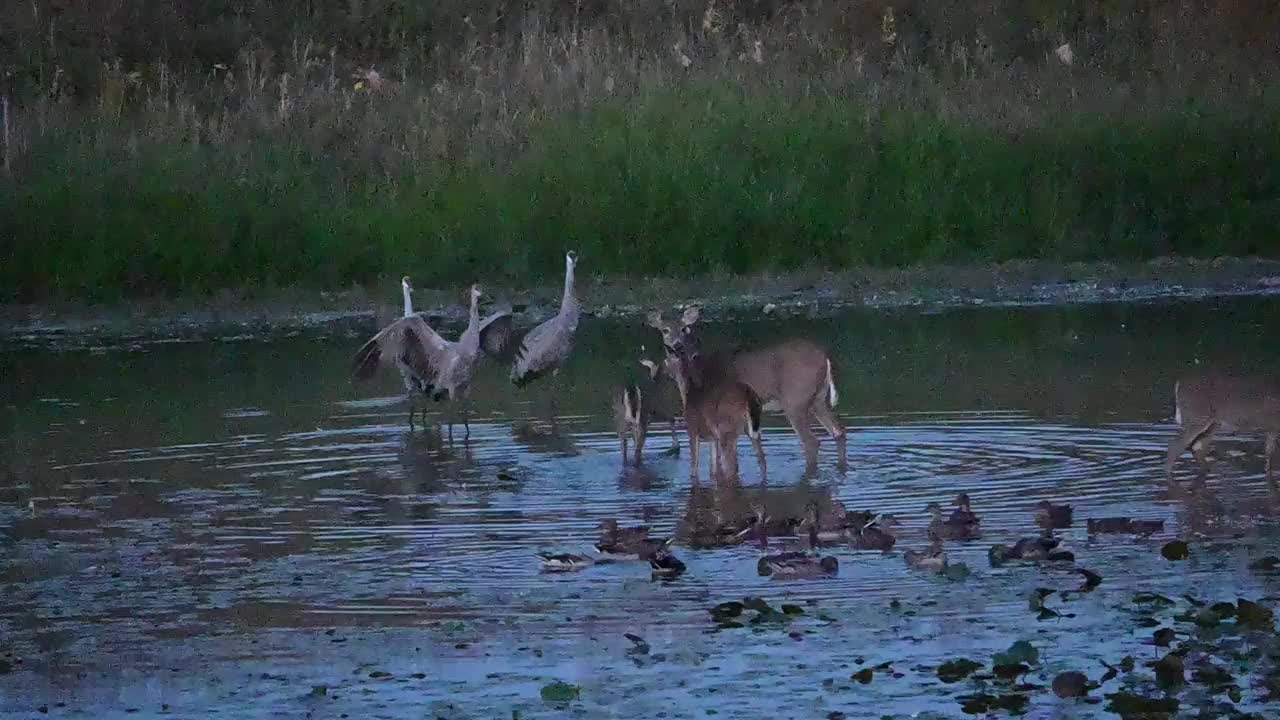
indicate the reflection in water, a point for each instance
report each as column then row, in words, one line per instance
column 198, row 525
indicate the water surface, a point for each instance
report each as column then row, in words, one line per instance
column 214, row 528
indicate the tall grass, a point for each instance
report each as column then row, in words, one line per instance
column 695, row 145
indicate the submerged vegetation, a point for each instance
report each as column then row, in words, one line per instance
column 326, row 143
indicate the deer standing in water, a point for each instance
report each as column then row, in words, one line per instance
column 1208, row 401
column 636, row 405
column 794, row 375
column 717, row 406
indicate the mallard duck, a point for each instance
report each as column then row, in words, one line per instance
column 563, row 562
column 665, row 565
column 963, row 512
column 795, row 563
column 830, row 529
column 952, row 528
column 1035, row 549
column 933, row 560
column 874, row 534
column 1053, row 516
column 1123, row 525
column 631, row 543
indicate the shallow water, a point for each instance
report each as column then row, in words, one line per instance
column 217, row 527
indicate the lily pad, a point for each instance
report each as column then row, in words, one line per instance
column 956, row 571
column 1175, row 550
column 319, row 690
column 1266, row 564
column 560, row 692
column 1251, row 613
column 1170, row 672
column 956, row 670
column 1011, row 671
column 1019, row 652
column 1070, row 684
column 983, row 703
column 863, row 676
column 1135, row 707
column 726, row 610
column 1209, row 674
column 757, row 604
column 1224, row 609
column 1146, row 598
column 792, row 610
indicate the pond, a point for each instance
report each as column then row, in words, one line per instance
column 230, row 527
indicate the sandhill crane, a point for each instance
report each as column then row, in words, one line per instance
column 413, row 385
column 440, row 368
column 544, row 349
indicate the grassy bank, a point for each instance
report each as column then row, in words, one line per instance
column 696, row 148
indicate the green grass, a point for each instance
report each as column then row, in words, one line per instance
column 677, row 183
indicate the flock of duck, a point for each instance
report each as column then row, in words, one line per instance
column 801, row 555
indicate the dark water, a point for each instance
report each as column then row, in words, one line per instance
column 214, row 528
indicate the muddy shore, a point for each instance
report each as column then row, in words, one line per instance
column 812, row 293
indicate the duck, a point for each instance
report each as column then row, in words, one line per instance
column 665, row 565
column 954, row 528
column 1039, row 548
column 1123, row 525
column 563, row 562
column 933, row 560
column 631, row 543
column 795, row 563
column 830, row 529
column 963, row 512
column 873, row 535
column 1052, row 516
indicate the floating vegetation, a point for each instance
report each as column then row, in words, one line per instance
column 1175, row 550
column 863, row 676
column 983, row 703
column 1139, row 707
column 560, row 692
column 954, row 671
column 1070, row 684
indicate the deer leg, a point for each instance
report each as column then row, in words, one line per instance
column 758, row 444
column 642, row 430
column 729, row 457
column 827, row 418
column 1189, row 437
column 693, row 453
column 799, row 420
column 1273, row 444
column 622, row 437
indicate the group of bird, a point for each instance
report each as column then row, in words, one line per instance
column 801, row 556
column 438, row 369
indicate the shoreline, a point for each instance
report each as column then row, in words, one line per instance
column 811, row 293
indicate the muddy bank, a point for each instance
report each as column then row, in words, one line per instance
column 356, row 310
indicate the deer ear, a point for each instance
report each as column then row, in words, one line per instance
column 691, row 315
column 655, row 319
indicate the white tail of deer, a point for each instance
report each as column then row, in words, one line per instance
column 717, row 406
column 1210, row 401
column 794, row 375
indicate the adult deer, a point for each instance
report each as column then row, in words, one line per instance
column 794, row 375
column 717, row 406
column 1208, row 401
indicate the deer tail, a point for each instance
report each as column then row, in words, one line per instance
column 754, row 410
column 1177, row 403
column 833, row 395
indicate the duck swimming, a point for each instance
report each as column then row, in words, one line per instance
column 1050, row 516
column 957, row 527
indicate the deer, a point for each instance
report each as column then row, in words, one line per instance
column 636, row 405
column 1208, row 401
column 794, row 375
column 717, row 406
